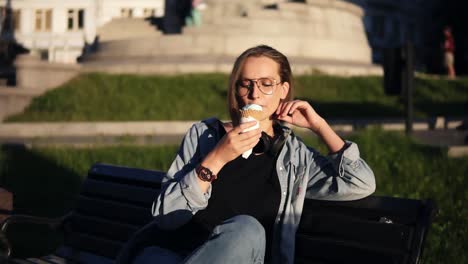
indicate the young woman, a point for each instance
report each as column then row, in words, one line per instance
column 217, row 207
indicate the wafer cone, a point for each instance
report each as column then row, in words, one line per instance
column 251, row 113
column 246, row 116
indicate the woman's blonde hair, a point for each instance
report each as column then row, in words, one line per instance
column 258, row 51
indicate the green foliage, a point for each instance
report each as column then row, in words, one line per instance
column 46, row 180
column 96, row 97
column 104, row 97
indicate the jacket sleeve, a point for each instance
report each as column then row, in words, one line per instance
column 181, row 197
column 342, row 176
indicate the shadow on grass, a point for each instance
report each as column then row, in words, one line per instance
column 353, row 110
column 40, row 187
column 424, row 101
column 444, row 109
column 359, row 110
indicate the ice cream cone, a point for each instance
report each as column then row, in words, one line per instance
column 249, row 113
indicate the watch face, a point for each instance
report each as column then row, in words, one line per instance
column 205, row 174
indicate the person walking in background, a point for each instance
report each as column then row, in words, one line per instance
column 195, row 17
column 449, row 50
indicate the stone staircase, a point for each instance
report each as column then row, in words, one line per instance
column 126, row 28
column 326, row 35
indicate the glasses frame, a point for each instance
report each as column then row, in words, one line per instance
column 251, row 85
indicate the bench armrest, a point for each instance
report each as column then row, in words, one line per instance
column 52, row 223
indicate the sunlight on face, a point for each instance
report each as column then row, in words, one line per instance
column 263, row 67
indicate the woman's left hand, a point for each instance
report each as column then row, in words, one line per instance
column 299, row 113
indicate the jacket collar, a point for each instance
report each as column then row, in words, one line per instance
column 216, row 124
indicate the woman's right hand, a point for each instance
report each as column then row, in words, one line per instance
column 233, row 144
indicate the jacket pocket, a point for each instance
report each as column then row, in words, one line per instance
column 298, row 186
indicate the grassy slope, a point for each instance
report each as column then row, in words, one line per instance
column 99, row 97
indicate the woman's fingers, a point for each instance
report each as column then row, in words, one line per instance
column 243, row 126
column 284, row 109
column 239, row 139
column 288, row 108
column 278, row 110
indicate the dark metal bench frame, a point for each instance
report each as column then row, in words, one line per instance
column 115, row 201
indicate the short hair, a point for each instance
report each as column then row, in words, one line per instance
column 285, row 74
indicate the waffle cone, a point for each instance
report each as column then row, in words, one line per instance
column 251, row 113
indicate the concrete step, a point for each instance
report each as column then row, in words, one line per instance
column 149, row 46
column 14, row 100
column 127, row 28
column 446, row 132
column 91, row 134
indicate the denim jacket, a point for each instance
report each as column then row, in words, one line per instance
column 302, row 172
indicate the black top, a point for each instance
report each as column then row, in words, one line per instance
column 244, row 186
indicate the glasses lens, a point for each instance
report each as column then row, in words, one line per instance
column 266, row 85
column 245, row 83
column 243, row 87
column 266, row 82
column 242, row 90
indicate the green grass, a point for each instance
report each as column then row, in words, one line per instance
column 46, row 181
column 103, row 97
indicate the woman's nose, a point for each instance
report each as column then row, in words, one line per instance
column 255, row 91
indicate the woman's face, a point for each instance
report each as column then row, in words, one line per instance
column 263, row 67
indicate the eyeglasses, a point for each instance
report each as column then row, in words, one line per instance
column 265, row 85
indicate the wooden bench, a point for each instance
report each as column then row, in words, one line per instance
column 115, row 202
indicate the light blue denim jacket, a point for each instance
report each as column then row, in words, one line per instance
column 302, row 172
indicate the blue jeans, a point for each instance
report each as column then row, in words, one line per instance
column 240, row 239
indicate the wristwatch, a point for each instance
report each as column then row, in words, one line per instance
column 205, row 174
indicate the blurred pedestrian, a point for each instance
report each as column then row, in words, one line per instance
column 449, row 49
column 195, row 17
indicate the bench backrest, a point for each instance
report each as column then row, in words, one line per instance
column 371, row 230
column 115, row 201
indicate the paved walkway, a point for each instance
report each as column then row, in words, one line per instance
column 436, row 132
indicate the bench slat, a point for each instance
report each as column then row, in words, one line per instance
column 96, row 245
column 126, row 174
column 77, row 256
column 403, row 211
column 394, row 236
column 20, row 261
column 101, row 227
column 113, row 210
column 335, row 251
column 143, row 196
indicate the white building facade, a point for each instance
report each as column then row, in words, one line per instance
column 59, row 30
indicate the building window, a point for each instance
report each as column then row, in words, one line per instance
column 43, row 20
column 149, row 12
column 75, row 19
column 126, row 12
column 16, row 19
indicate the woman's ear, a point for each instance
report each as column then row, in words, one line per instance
column 284, row 90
